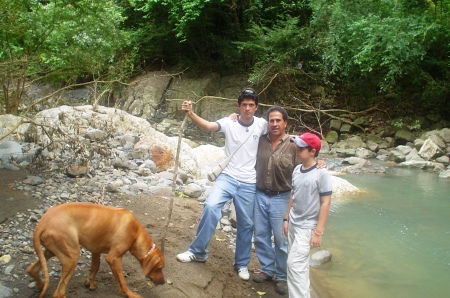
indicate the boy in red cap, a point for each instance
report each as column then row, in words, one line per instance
column 307, row 212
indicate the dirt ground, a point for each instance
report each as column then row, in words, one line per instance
column 215, row 278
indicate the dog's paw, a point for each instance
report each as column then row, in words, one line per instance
column 92, row 285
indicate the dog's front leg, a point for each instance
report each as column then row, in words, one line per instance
column 95, row 265
column 115, row 262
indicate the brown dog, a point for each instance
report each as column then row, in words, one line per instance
column 99, row 229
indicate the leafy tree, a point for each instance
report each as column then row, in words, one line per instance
column 361, row 49
column 58, row 41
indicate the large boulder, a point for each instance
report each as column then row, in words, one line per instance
column 403, row 136
column 342, row 186
column 67, row 125
column 430, row 149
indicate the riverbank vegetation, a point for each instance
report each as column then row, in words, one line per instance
column 353, row 55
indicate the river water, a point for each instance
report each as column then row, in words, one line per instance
column 392, row 240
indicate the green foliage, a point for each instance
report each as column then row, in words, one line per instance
column 60, row 42
column 358, row 49
column 414, row 125
column 62, row 39
column 276, row 49
column 365, row 49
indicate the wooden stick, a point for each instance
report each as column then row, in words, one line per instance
column 174, row 181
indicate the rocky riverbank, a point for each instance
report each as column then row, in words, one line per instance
column 107, row 156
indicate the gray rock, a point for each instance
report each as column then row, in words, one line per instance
column 342, row 186
column 413, row 155
column 95, row 134
column 149, row 164
column 320, row 257
column 139, row 187
column 445, row 174
column 403, row 136
column 169, row 176
column 355, row 142
column 325, row 147
column 335, row 125
column 33, row 180
column 76, row 170
column 445, row 134
column 141, row 151
column 364, row 153
column 423, row 165
column 437, row 140
column 129, row 138
column 332, row 136
column 403, row 149
column 124, row 163
column 193, row 190
column 364, row 166
column 443, row 159
column 114, row 186
column 9, row 269
column 430, row 150
column 5, row 291
column 374, row 138
column 161, row 191
column 382, row 157
column 396, row 156
column 372, row 146
column 362, row 121
column 345, row 128
column 418, row 143
column 11, row 167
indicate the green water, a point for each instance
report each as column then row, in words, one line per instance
column 393, row 240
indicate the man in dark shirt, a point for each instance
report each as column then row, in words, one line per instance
column 274, row 166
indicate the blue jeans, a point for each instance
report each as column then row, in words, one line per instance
column 225, row 188
column 269, row 214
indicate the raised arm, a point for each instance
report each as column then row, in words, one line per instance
column 199, row 121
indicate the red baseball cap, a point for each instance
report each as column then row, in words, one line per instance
column 308, row 139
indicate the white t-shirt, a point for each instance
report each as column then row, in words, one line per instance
column 242, row 165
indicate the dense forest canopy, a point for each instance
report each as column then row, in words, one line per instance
column 361, row 52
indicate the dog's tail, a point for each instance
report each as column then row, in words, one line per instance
column 42, row 260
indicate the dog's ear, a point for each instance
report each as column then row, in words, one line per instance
column 154, row 260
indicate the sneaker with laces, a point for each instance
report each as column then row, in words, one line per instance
column 188, row 256
column 243, row 273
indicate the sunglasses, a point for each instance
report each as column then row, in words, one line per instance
column 248, row 92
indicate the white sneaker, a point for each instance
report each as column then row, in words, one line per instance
column 243, row 273
column 188, row 256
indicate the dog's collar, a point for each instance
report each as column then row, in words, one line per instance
column 151, row 248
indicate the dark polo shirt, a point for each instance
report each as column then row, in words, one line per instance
column 274, row 167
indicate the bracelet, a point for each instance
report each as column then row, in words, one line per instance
column 318, row 234
column 285, row 219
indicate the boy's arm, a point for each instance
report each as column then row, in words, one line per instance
column 199, row 121
column 316, row 239
column 286, row 216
